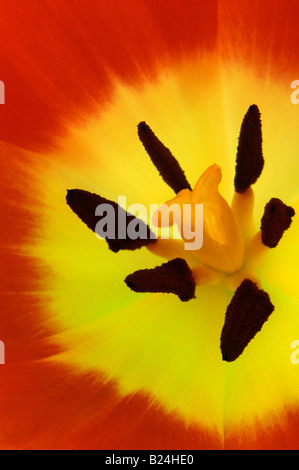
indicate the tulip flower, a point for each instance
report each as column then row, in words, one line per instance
column 141, row 343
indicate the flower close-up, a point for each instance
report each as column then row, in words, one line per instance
column 149, row 207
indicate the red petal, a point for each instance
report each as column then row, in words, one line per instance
column 261, row 35
column 58, row 62
column 47, row 407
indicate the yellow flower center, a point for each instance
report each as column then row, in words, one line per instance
column 229, row 249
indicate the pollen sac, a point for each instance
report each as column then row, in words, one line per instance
column 90, row 208
column 173, row 277
column 250, row 161
column 162, row 158
column 276, row 220
column 247, row 312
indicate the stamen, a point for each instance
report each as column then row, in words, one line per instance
column 162, row 158
column 276, row 220
column 249, row 309
column 84, row 205
column 242, row 206
column 250, row 161
column 174, row 277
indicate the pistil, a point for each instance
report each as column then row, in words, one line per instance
column 223, row 246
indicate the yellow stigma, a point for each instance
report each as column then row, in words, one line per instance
column 223, row 246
